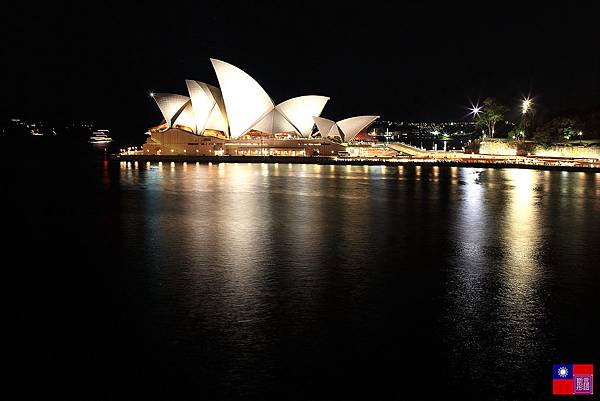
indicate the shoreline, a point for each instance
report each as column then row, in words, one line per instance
column 350, row 162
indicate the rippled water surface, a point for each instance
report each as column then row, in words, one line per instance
column 311, row 282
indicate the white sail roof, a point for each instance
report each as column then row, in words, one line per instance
column 324, row 125
column 208, row 107
column 275, row 122
column 352, row 126
column 217, row 119
column 346, row 129
column 335, row 132
column 202, row 104
column 169, row 104
column 299, row 111
column 186, row 117
column 245, row 100
column 242, row 104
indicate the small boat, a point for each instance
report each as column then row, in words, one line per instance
column 100, row 136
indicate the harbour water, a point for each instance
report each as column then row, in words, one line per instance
column 260, row 281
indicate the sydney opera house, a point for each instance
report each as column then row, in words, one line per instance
column 240, row 118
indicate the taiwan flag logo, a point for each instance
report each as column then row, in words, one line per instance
column 569, row 379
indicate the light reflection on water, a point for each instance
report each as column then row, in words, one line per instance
column 521, row 312
column 272, row 262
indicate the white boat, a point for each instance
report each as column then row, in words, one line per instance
column 100, row 136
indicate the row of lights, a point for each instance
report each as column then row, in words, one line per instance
column 172, row 150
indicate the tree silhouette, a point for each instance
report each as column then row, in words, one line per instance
column 491, row 113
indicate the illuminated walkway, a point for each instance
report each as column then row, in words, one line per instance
column 407, row 149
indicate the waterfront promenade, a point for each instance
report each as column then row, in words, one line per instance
column 441, row 159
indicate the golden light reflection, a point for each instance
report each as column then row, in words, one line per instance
column 470, row 232
column 522, row 236
column 232, row 227
column 240, row 187
column 545, row 177
column 581, row 176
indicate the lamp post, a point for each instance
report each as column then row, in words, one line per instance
column 474, row 111
column 526, row 108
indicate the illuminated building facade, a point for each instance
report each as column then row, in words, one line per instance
column 240, row 118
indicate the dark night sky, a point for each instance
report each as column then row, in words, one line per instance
column 416, row 61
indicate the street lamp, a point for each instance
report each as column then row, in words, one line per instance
column 526, row 105
column 527, row 109
column 475, row 110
